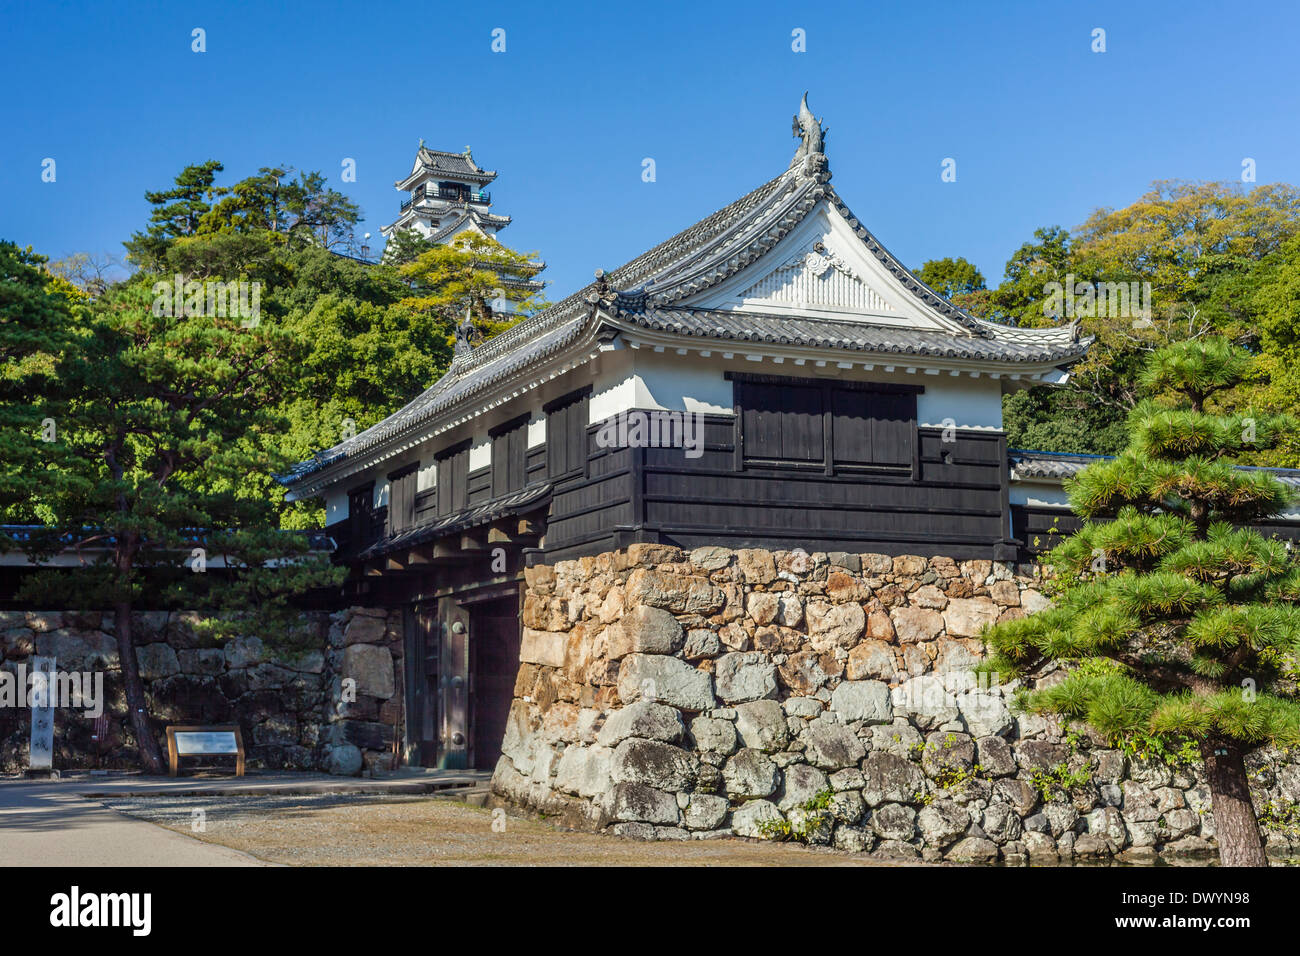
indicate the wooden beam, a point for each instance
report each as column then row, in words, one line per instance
column 474, row 541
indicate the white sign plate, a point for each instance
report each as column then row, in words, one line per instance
column 206, row 742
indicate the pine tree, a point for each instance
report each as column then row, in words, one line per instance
column 1185, row 620
column 142, row 478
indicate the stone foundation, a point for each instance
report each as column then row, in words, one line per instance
column 290, row 706
column 827, row 697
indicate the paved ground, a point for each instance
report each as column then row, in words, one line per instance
column 51, row 824
column 314, row 820
column 372, row 830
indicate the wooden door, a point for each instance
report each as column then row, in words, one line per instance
column 494, row 664
column 454, row 685
column 423, row 678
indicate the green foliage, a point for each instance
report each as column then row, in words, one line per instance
column 1059, row 779
column 1217, row 259
column 1282, row 816
column 1180, row 625
column 813, row 814
column 950, row 277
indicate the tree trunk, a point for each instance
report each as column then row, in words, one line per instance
column 150, row 755
column 1235, row 824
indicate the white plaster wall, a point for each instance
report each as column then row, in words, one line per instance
column 969, row 402
column 336, row 505
column 537, row 429
column 427, row 476
column 480, row 455
column 1038, row 494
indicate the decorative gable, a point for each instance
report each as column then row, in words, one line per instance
column 816, row 278
column 823, row 268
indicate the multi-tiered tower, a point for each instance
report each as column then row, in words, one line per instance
column 446, row 196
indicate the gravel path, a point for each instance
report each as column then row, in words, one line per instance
column 346, row 830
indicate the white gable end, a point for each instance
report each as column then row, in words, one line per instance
column 823, row 269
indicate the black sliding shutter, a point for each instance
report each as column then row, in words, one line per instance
column 782, row 422
column 785, row 421
column 566, row 434
column 874, row 429
column 453, row 475
column 401, row 498
column 509, row 456
column 893, row 429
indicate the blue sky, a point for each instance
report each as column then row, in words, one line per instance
column 1043, row 129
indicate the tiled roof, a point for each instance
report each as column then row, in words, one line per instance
column 513, row 504
column 472, row 215
column 1057, row 465
column 851, row 336
column 454, row 164
column 646, row 289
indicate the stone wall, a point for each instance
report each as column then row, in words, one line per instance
column 832, row 697
column 364, row 719
column 290, row 705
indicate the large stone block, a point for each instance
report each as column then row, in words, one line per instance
column 679, row 593
column 636, row 802
column 749, row 820
column 761, row 725
column 745, row 676
column 644, row 718
column 893, row 821
column 803, row 673
column 365, row 629
column 644, row 630
column 713, row 734
column 942, row 822
column 546, row 648
column 584, row 770
column 756, row 565
column 832, row 625
column 927, row 701
column 985, row 715
column 343, row 760
column 831, row 746
column 967, row 617
column 666, row 680
column 245, row 652
column 800, row 785
column 750, row 774
column 157, row 660
column 916, row 624
column 371, row 666
column 889, row 778
column 705, row 811
column 871, row 659
column 653, row 763
column 863, row 700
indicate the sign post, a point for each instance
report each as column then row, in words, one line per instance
column 41, row 702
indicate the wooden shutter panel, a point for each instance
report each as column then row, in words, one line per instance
column 782, row 422
column 851, row 427
column 566, row 436
column 509, row 452
column 893, row 430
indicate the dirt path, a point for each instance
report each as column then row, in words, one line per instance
column 344, row 830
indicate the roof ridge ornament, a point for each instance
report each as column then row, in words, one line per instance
column 810, row 157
